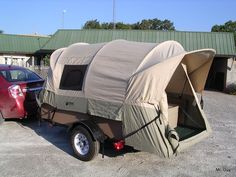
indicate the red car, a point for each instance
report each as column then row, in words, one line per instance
column 18, row 87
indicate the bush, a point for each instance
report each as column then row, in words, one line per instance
column 46, row 60
column 231, row 89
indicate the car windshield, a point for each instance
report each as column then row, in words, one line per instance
column 17, row 75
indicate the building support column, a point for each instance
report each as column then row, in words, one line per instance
column 33, row 61
column 6, row 60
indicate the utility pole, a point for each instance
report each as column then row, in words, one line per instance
column 114, row 8
column 63, row 18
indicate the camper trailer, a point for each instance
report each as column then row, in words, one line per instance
column 145, row 95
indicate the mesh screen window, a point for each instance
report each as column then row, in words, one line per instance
column 73, row 77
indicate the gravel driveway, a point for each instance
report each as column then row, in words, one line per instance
column 29, row 150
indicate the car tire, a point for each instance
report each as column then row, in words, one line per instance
column 1, row 118
column 84, row 147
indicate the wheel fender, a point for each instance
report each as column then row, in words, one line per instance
column 93, row 128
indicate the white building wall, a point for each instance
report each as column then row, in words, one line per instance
column 231, row 71
column 19, row 60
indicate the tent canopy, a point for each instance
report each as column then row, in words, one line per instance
column 127, row 81
column 123, row 70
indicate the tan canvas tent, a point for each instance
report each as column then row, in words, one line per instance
column 144, row 93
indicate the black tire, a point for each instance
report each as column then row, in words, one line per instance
column 85, row 148
column 1, row 118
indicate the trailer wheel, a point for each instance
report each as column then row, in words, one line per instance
column 83, row 144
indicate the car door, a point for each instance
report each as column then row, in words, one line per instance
column 4, row 97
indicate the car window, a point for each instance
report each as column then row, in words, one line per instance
column 3, row 73
column 32, row 76
column 17, row 75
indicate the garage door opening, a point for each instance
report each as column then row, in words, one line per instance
column 217, row 75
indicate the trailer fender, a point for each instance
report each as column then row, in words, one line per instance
column 92, row 127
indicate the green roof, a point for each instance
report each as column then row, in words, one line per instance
column 222, row 42
column 21, row 44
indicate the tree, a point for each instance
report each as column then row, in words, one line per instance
column 1, row 31
column 92, row 24
column 156, row 24
column 106, row 26
column 121, row 25
column 145, row 24
column 167, row 25
column 229, row 26
column 46, row 60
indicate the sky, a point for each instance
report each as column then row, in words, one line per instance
column 46, row 16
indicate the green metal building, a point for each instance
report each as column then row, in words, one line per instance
column 20, row 49
column 223, row 70
column 222, row 73
column 222, row 42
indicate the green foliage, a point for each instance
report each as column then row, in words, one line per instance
column 229, row 26
column 92, row 24
column 149, row 24
column 155, row 24
column 46, row 60
column 1, row 31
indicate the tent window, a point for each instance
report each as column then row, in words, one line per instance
column 72, row 77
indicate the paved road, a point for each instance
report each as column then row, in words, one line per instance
column 29, row 150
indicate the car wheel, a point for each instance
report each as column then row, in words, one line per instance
column 83, row 144
column 1, row 118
